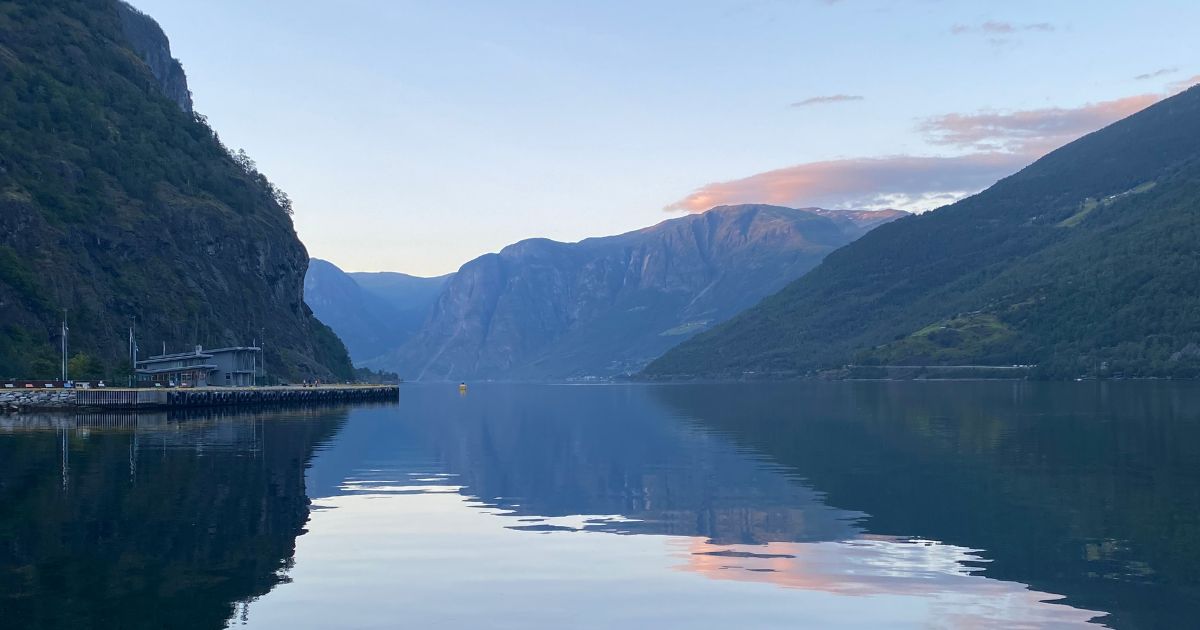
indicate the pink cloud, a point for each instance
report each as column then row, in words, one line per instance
column 897, row 181
column 1001, row 144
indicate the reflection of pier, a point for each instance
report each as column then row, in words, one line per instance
column 226, row 429
column 199, row 433
column 208, row 502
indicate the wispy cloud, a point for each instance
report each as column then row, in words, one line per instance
column 999, row 33
column 999, row 144
column 1032, row 131
column 823, row 100
column 1157, row 73
column 1180, row 86
column 994, row 27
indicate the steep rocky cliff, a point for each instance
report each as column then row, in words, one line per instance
column 147, row 38
column 606, row 306
column 122, row 207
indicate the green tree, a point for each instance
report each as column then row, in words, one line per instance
column 85, row 367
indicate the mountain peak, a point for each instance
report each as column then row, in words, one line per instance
column 543, row 309
column 149, row 41
column 859, row 216
column 855, row 222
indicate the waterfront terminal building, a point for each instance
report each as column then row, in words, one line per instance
column 222, row 367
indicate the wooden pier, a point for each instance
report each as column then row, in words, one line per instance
column 113, row 398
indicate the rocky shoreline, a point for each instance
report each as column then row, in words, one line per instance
column 21, row 400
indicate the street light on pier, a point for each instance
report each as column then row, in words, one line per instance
column 65, row 331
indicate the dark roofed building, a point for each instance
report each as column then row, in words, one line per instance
column 220, row 367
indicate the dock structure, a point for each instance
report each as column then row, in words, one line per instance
column 120, row 398
column 220, row 367
column 112, row 398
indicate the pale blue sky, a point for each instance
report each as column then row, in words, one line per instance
column 415, row 135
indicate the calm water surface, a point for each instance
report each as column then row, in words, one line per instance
column 815, row 505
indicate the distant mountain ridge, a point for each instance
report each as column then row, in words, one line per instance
column 406, row 293
column 1083, row 263
column 859, row 222
column 373, row 313
column 541, row 309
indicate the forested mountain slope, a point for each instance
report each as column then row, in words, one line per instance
column 121, row 205
column 1085, row 262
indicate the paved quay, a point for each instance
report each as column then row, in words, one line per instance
column 169, row 398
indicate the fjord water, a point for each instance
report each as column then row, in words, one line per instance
column 823, row 505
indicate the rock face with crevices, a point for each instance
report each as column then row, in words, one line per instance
column 542, row 309
column 151, row 44
column 121, row 206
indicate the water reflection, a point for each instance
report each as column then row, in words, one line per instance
column 801, row 505
column 568, row 451
column 1089, row 490
column 149, row 521
column 562, row 460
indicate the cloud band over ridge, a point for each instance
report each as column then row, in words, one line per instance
column 894, row 181
column 999, row 144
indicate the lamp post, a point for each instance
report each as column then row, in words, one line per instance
column 133, row 352
column 65, row 331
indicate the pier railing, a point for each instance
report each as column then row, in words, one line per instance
column 120, row 398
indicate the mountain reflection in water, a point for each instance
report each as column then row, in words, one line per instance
column 149, row 521
column 797, row 505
